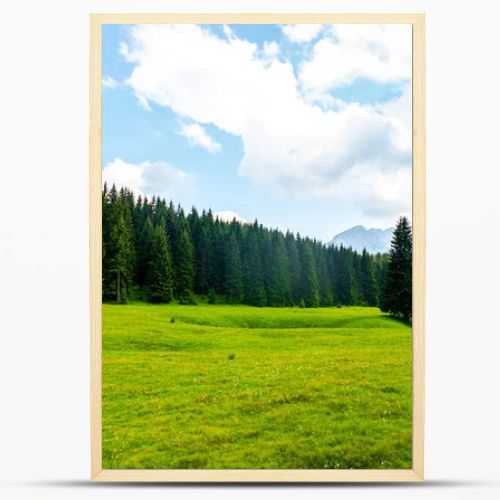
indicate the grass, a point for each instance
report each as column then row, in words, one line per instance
column 241, row 387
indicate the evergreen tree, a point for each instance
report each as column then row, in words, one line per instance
column 202, row 251
column 343, row 278
column 253, row 282
column 325, row 289
column 397, row 290
column 159, row 282
column 293, row 267
column 278, row 290
column 368, row 285
column 185, row 268
column 144, row 249
column 217, row 259
column 118, row 265
column 232, row 272
column 310, row 286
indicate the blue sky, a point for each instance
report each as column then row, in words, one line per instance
column 304, row 127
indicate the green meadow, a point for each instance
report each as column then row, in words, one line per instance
column 225, row 386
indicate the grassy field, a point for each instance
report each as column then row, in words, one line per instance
column 241, row 387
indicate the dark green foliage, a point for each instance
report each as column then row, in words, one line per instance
column 159, row 282
column 185, row 267
column 253, row 281
column 153, row 246
column 278, row 290
column 211, row 297
column 368, row 285
column 118, row 245
column 343, row 271
column 144, row 248
column 397, row 290
column 309, row 279
column 233, row 281
column 293, row 267
column 324, row 283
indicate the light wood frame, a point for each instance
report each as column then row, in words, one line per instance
column 258, row 475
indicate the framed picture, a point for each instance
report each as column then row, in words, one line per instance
column 257, row 247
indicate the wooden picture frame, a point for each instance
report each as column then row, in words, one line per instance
column 265, row 475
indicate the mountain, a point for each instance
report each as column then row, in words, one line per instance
column 358, row 237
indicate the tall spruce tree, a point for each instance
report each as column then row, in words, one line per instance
column 325, row 288
column 185, row 268
column 367, row 280
column 144, row 250
column 310, row 286
column 232, row 272
column 397, row 290
column 278, row 290
column 119, row 251
column 254, row 292
column 343, row 279
column 159, row 282
column 293, row 267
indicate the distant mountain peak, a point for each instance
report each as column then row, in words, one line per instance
column 358, row 237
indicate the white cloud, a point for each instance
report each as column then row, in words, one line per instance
column 270, row 49
column 379, row 192
column 301, row 33
column 229, row 216
column 290, row 144
column 109, row 83
column 376, row 52
column 198, row 136
column 148, row 178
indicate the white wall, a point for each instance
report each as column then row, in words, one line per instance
column 44, row 362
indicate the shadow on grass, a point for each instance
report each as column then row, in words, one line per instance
column 397, row 319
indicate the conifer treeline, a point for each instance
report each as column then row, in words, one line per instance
column 152, row 246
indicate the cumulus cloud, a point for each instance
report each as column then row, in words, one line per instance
column 290, row 144
column 148, row 178
column 301, row 33
column 377, row 52
column 270, row 49
column 379, row 192
column 198, row 136
column 229, row 216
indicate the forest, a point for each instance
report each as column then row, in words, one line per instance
column 153, row 250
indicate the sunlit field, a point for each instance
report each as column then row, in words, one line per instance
column 225, row 386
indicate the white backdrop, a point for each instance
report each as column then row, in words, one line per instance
column 44, row 361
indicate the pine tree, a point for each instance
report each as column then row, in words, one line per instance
column 232, row 272
column 201, row 244
column 253, row 282
column 397, row 291
column 293, row 267
column 159, row 282
column 118, row 264
column 278, row 290
column 144, row 250
column 367, row 280
column 343, row 277
column 185, row 268
column 325, row 289
column 309, row 279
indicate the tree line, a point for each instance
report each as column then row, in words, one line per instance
column 153, row 248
